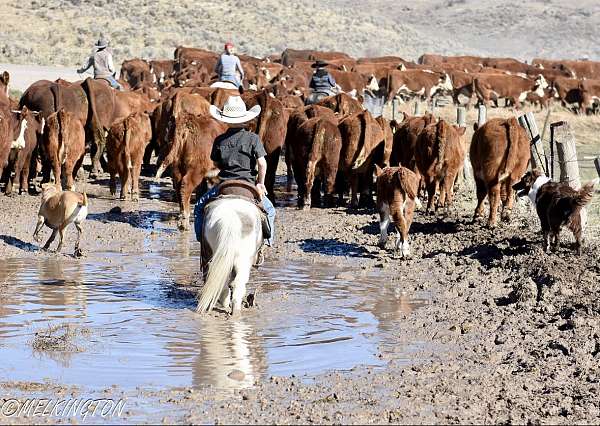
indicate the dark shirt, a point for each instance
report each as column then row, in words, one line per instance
column 235, row 152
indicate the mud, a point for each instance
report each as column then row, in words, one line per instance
column 477, row 326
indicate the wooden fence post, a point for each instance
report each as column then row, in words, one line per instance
column 567, row 159
column 461, row 116
column 538, row 156
column 417, row 110
column 481, row 115
column 467, row 174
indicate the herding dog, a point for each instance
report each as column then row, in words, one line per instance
column 57, row 211
column 396, row 197
column 557, row 205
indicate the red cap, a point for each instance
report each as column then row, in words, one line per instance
column 228, row 44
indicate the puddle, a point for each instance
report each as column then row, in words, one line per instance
column 143, row 331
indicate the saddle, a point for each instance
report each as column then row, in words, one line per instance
column 246, row 191
column 316, row 96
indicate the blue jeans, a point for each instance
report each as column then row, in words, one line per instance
column 199, row 213
column 113, row 82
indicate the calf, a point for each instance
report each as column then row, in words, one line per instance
column 342, row 104
column 188, row 154
column 64, row 146
column 361, row 136
column 25, row 136
column 405, row 141
column 315, row 151
column 439, row 156
column 499, row 154
column 413, row 82
column 125, row 145
column 491, row 87
column 396, row 198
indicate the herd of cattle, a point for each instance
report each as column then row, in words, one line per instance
column 330, row 147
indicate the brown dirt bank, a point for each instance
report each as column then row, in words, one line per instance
column 511, row 333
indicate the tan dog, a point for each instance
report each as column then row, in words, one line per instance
column 59, row 209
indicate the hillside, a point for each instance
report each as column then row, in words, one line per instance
column 61, row 32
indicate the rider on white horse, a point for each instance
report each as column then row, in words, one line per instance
column 239, row 154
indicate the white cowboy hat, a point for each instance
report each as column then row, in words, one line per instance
column 234, row 111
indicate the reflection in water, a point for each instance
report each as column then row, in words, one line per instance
column 229, row 357
column 139, row 308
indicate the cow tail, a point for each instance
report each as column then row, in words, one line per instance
column 318, row 141
column 127, row 134
column 408, row 182
column 97, row 130
column 169, row 151
column 441, row 136
column 263, row 119
column 318, row 145
column 56, row 95
column 512, row 156
column 61, row 122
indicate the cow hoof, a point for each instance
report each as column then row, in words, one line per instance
column 135, row 198
column 183, row 226
column 492, row 225
column 78, row 253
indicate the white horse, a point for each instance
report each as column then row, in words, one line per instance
column 232, row 230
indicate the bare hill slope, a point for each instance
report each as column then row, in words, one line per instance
column 61, row 32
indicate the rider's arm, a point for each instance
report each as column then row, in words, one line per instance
column 218, row 67
column 84, row 68
column 262, row 170
column 238, row 64
column 111, row 65
column 261, row 164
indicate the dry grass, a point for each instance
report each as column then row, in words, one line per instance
column 61, row 32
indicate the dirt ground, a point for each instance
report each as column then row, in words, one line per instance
column 512, row 334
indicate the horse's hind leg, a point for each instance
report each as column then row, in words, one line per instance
column 224, row 299
column 238, row 285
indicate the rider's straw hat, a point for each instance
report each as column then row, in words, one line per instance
column 234, row 111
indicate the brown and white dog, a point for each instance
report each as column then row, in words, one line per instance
column 58, row 210
column 557, row 205
column 396, row 197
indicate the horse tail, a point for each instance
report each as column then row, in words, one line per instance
column 222, row 262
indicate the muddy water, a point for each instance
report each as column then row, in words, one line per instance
column 141, row 330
